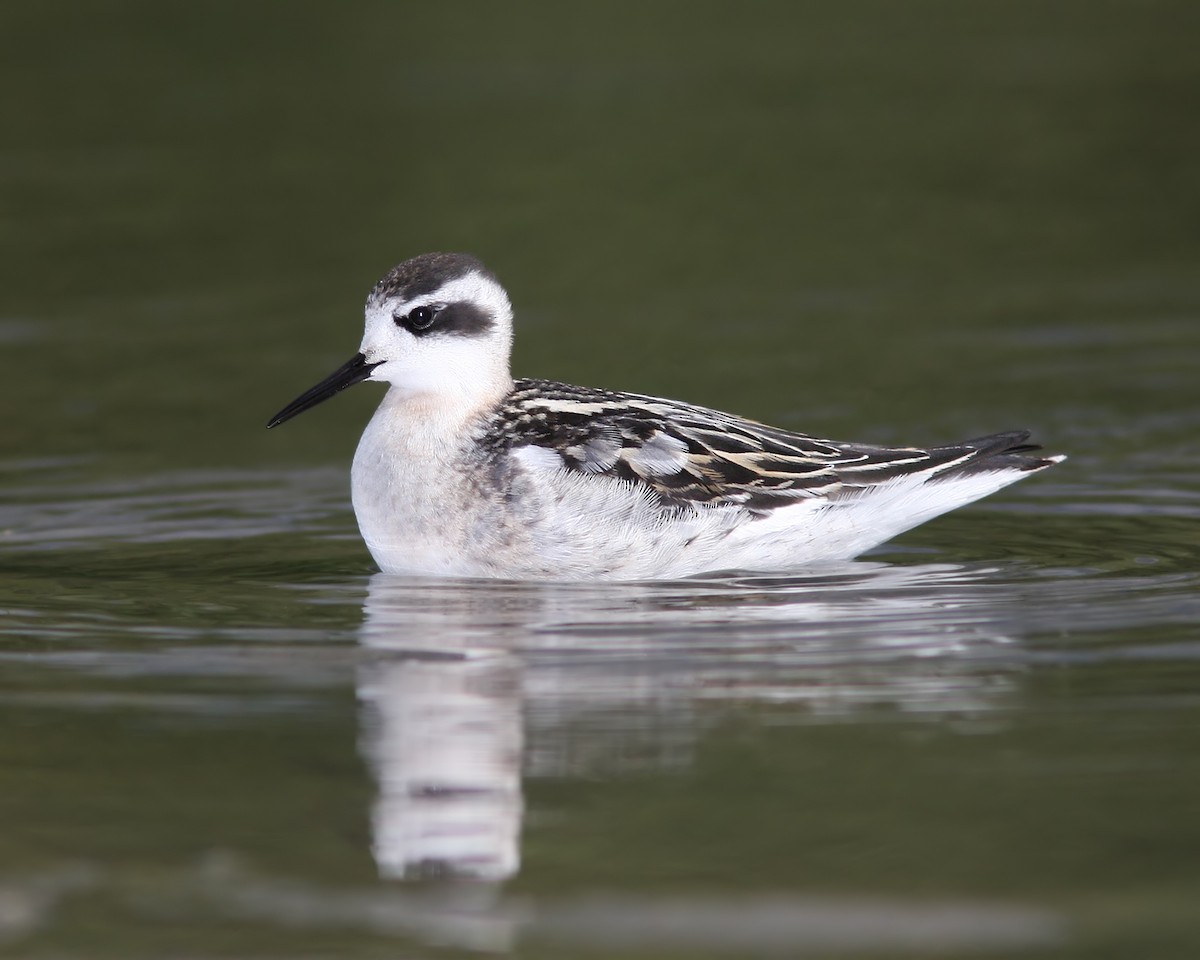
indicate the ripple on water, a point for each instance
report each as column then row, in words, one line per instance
column 56, row 513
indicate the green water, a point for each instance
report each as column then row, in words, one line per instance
column 223, row 735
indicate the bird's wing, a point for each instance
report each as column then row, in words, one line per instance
column 693, row 455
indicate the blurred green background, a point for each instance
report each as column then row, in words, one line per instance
column 819, row 214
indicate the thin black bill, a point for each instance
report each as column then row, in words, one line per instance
column 347, row 375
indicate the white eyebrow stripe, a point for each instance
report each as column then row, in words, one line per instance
column 474, row 287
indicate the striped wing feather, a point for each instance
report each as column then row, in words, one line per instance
column 693, row 455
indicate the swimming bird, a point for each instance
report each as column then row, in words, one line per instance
column 464, row 471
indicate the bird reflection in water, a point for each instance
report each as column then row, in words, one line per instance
column 443, row 736
column 469, row 685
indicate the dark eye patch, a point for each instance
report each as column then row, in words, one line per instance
column 460, row 319
column 464, row 319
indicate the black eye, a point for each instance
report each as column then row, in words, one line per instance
column 417, row 319
column 420, row 318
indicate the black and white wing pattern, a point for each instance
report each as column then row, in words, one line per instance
column 695, row 456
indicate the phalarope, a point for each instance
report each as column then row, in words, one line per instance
column 463, row 471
